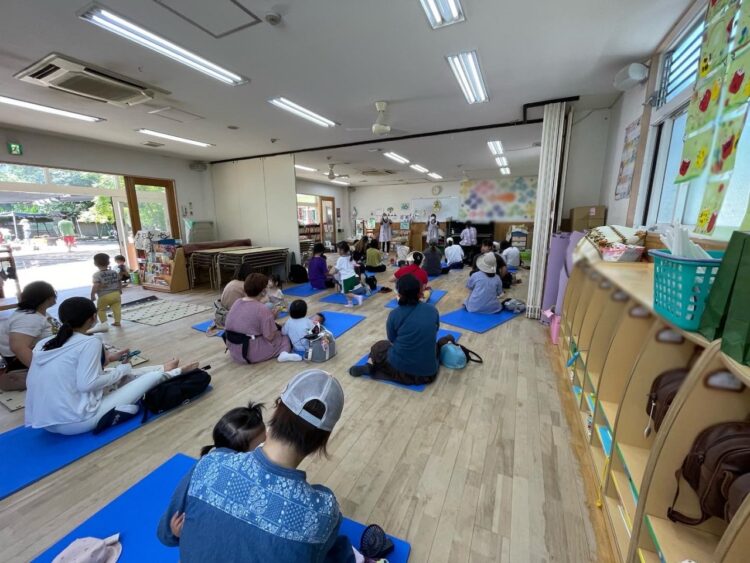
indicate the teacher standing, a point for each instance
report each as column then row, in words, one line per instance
column 386, row 233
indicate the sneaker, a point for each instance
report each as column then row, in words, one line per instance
column 289, row 357
column 359, row 299
column 101, row 327
column 349, row 305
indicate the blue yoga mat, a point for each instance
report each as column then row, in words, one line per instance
column 204, row 326
column 418, row 388
column 437, row 295
column 476, row 322
column 339, row 299
column 339, row 323
column 136, row 513
column 29, row 454
column 302, row 290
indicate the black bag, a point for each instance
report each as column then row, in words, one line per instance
column 718, row 457
column 663, row 391
column 172, row 393
column 298, row 274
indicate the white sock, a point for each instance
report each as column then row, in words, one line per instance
column 289, row 357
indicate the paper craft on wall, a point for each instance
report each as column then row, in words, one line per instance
column 715, row 44
column 711, row 205
column 725, row 151
column 716, row 6
column 445, row 208
column 738, row 79
column 507, row 199
column 695, row 153
column 742, row 35
column 704, row 105
column 627, row 164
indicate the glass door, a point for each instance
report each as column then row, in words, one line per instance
column 328, row 223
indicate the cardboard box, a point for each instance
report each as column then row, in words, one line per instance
column 589, row 212
column 586, row 223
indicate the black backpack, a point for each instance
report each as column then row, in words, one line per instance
column 297, row 274
column 172, row 393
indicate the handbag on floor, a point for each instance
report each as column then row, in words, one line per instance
column 718, row 457
column 322, row 347
column 455, row 356
column 176, row 391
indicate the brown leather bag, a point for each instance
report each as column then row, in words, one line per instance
column 719, row 456
column 663, row 391
column 736, row 495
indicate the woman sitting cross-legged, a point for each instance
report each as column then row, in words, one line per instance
column 251, row 333
column 69, row 390
column 256, row 506
column 409, row 356
column 28, row 324
column 374, row 260
column 486, row 287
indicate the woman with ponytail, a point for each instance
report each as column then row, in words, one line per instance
column 66, row 382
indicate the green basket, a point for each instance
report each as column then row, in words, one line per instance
column 682, row 285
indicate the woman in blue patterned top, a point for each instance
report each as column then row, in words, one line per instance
column 257, row 506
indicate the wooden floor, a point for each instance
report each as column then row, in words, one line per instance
column 480, row 467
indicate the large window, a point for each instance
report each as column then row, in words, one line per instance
column 680, row 65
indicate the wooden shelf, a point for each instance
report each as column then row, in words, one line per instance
column 600, row 461
column 621, row 533
column 610, row 412
column 677, row 542
column 622, row 484
column 647, row 556
column 635, row 460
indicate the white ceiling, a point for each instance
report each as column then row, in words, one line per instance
column 448, row 155
column 334, row 57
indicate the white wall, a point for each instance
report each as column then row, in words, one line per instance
column 49, row 150
column 257, row 199
column 586, row 159
column 365, row 200
column 340, row 194
column 627, row 109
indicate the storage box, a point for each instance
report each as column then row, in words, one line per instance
column 589, row 212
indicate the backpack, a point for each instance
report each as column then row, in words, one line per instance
column 663, row 391
column 719, row 455
column 736, row 495
column 514, row 305
column 322, row 347
column 297, row 274
column 176, row 391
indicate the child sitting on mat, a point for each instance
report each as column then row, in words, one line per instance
column 241, row 430
column 298, row 326
column 414, row 267
column 349, row 280
column 274, row 297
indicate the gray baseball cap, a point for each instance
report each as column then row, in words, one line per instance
column 315, row 384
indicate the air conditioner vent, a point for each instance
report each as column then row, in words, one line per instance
column 42, row 72
column 75, row 77
column 153, row 144
column 374, row 172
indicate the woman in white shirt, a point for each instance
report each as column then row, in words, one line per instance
column 28, row 324
column 67, row 383
column 454, row 255
column 510, row 254
column 386, row 233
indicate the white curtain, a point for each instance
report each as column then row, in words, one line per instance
column 550, row 165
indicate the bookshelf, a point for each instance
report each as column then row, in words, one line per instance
column 163, row 269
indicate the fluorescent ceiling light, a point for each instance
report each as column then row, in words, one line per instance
column 173, row 138
column 496, row 147
column 299, row 111
column 419, row 168
column 397, row 157
column 443, row 12
column 47, row 109
column 305, row 168
column 505, row 171
column 501, row 161
column 465, row 67
column 435, row 176
column 111, row 22
column 339, row 182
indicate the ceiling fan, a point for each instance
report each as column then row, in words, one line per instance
column 332, row 175
column 380, row 127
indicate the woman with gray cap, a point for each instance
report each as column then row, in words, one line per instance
column 257, row 506
column 486, row 287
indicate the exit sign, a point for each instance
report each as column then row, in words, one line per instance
column 15, row 149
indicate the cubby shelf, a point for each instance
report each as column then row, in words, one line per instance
column 615, row 345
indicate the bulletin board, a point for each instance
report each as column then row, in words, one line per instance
column 444, row 207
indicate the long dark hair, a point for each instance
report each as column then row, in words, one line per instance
column 296, row 431
column 34, row 294
column 237, row 429
column 73, row 313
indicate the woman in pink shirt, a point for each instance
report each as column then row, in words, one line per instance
column 251, row 332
